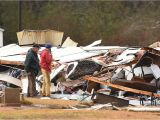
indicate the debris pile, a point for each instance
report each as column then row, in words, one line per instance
column 103, row 74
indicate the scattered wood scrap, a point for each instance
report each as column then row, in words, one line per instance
column 94, row 79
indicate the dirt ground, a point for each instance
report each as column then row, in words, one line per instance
column 44, row 113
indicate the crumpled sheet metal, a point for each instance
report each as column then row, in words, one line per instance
column 9, row 79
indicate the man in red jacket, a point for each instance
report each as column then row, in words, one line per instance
column 46, row 60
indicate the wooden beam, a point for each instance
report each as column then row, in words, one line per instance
column 94, row 79
column 11, row 62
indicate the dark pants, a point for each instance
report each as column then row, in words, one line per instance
column 31, row 85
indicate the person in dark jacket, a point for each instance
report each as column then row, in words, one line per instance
column 32, row 67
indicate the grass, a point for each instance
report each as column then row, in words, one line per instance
column 50, row 102
column 65, row 114
column 75, row 114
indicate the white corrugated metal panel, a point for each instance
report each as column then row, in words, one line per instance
column 73, row 53
column 126, row 57
column 11, row 49
column 9, row 79
column 156, row 71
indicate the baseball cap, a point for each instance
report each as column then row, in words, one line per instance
column 36, row 46
column 48, row 45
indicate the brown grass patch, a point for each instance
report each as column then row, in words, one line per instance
column 76, row 114
column 57, row 102
column 61, row 114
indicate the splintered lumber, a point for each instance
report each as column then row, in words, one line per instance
column 151, row 50
column 150, row 87
column 11, row 62
column 94, row 79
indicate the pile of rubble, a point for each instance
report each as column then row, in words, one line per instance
column 103, row 74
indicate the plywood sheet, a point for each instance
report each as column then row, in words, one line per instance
column 40, row 37
column 69, row 43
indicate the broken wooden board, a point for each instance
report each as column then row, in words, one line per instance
column 10, row 79
column 94, row 79
column 11, row 62
column 150, row 87
column 151, row 50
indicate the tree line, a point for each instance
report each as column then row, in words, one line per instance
column 126, row 23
